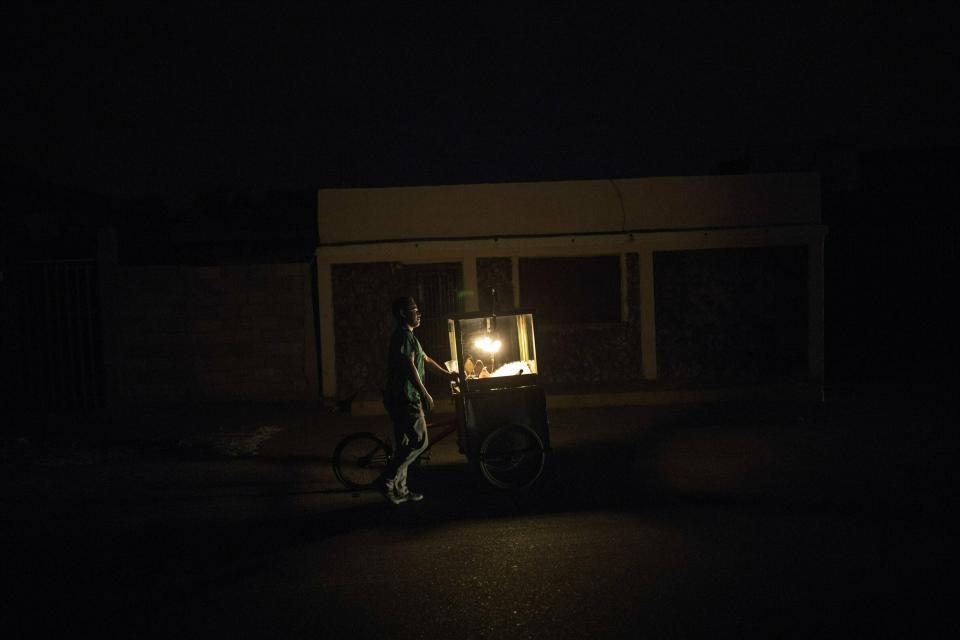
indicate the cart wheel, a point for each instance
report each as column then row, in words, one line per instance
column 512, row 457
column 359, row 459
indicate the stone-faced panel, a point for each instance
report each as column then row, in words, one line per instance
column 731, row 315
column 362, row 295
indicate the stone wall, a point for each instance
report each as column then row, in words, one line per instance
column 607, row 353
column 732, row 315
column 362, row 295
column 186, row 334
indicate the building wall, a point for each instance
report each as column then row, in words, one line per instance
column 362, row 294
column 732, row 315
column 362, row 297
column 566, row 207
column 721, row 277
column 215, row 333
column 495, row 273
column 725, row 315
column 608, row 353
column 567, row 354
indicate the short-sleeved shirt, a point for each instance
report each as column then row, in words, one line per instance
column 400, row 388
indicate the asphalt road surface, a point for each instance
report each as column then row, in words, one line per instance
column 746, row 525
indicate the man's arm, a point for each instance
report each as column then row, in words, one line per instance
column 417, row 382
column 439, row 369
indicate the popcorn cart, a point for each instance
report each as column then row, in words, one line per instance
column 501, row 414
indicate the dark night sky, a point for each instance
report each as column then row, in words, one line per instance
column 168, row 100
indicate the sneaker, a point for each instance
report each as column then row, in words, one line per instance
column 412, row 496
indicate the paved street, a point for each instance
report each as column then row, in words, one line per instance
column 700, row 521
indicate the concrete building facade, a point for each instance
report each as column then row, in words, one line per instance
column 637, row 283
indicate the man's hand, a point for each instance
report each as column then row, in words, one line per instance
column 428, row 400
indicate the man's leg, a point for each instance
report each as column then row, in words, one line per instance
column 410, row 433
column 419, row 430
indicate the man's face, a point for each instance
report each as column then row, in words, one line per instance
column 413, row 316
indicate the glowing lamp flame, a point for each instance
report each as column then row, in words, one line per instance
column 488, row 345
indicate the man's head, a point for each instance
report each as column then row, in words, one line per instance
column 406, row 312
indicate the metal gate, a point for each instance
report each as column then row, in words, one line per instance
column 51, row 343
column 436, row 287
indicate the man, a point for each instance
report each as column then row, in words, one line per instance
column 405, row 399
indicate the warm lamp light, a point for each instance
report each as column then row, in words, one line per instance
column 488, row 345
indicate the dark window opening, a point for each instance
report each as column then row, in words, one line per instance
column 571, row 290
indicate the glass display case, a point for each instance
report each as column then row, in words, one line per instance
column 493, row 351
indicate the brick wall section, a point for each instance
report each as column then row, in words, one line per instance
column 215, row 333
column 732, row 315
